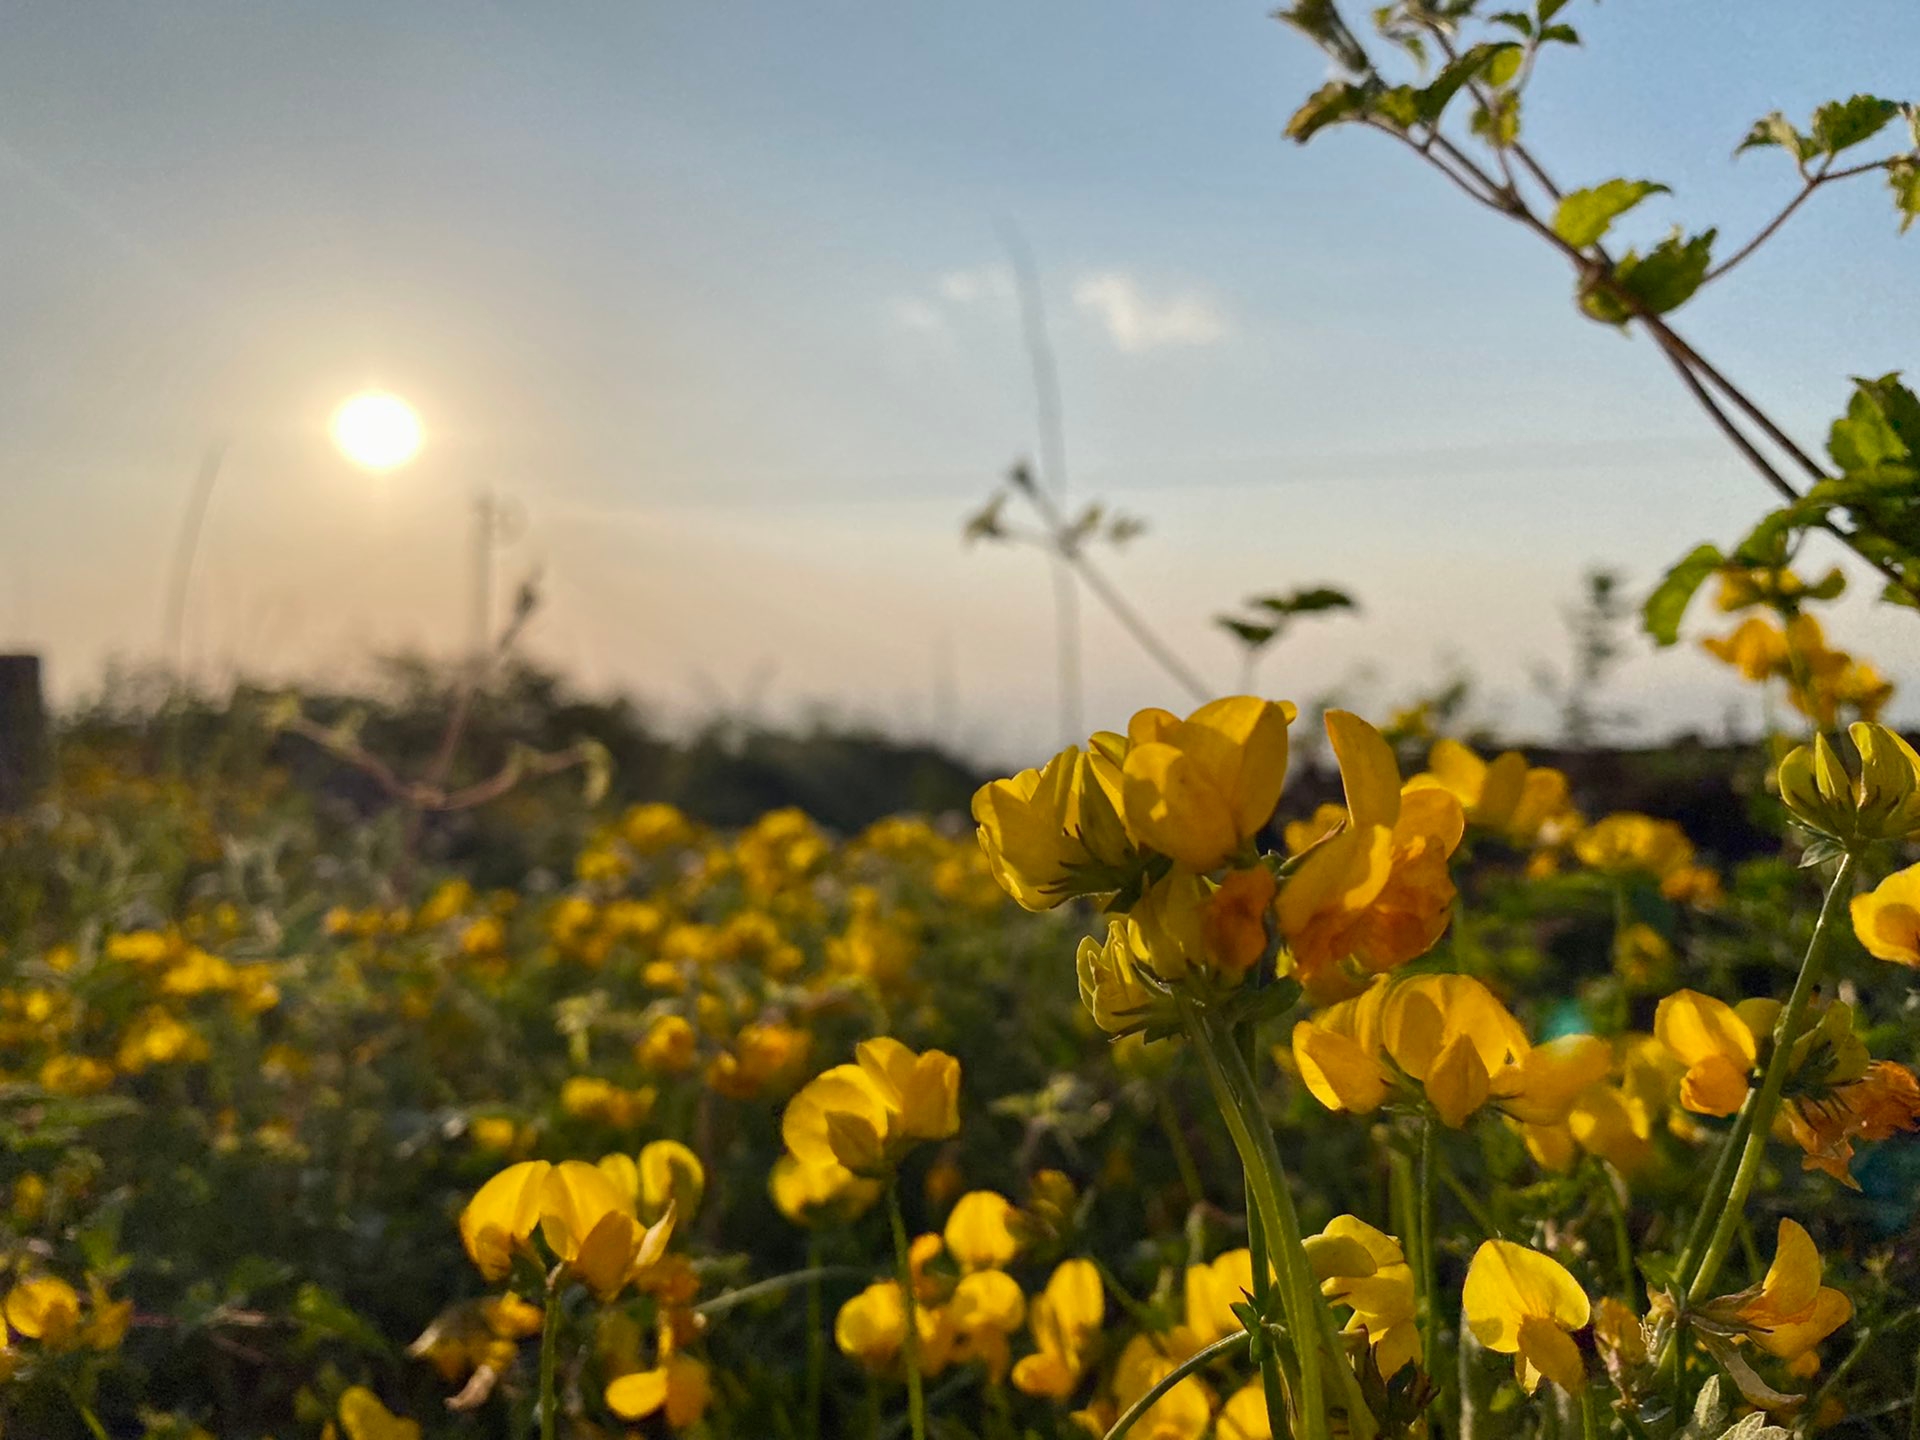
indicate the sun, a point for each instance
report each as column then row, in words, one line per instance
column 377, row 430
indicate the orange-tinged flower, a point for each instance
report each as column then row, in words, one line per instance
column 1521, row 1303
column 1378, row 894
column 1234, row 925
column 1881, row 1103
column 1198, row 790
column 1715, row 1044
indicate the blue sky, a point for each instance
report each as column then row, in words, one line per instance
column 716, row 293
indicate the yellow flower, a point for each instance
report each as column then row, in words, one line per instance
column 1715, row 1043
column 1234, row 924
column 670, row 1046
column 1887, row 918
column 979, row 1233
column 1110, row 988
column 1210, row 1293
column 1377, row 894
column 1520, row 802
column 872, row 1326
column 1365, row 1269
column 679, row 1386
column 864, row 1116
column 671, row 1177
column 1790, row 1311
column 809, row 1194
column 1628, row 841
column 1183, row 1413
column 1064, row 1319
column 1519, row 1302
column 363, row 1417
column 1883, row 803
column 1757, row 648
column 1040, row 826
column 46, row 1309
column 1198, row 790
column 986, row 1309
column 581, row 1212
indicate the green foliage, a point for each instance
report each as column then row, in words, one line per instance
column 1664, row 608
column 1585, row 216
column 1661, row 280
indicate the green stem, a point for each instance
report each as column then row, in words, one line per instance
column 1306, row 1311
column 87, row 1417
column 1731, row 1144
column 1218, row 1350
column 1429, row 1267
column 816, row 1336
column 1270, row 1382
column 1622, row 1233
column 1768, row 1101
column 910, row 1344
column 1589, row 1414
column 1182, row 1153
column 775, row 1284
column 549, row 1350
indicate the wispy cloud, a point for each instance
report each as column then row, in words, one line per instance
column 970, row 287
column 1136, row 322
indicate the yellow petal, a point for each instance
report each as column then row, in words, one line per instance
column 636, row 1396
column 978, row 1232
column 1506, row 1283
column 1337, row 1071
column 1548, row 1350
column 1457, row 1084
column 1368, row 770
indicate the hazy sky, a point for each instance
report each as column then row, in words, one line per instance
column 715, row 292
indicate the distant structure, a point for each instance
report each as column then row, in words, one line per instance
column 23, row 731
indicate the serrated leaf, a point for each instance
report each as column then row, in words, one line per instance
column 1841, row 124
column 1661, row 280
column 1585, row 215
column 1660, row 616
column 1881, row 426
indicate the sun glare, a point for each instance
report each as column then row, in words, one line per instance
column 377, row 430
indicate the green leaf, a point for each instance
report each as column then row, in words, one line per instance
column 1904, row 178
column 1513, row 20
column 1504, row 65
column 1432, row 102
column 1249, row 634
column 1564, row 34
column 1499, row 124
column 1306, row 602
column 324, row 1316
column 1841, row 124
column 1776, row 129
column 1586, row 215
column 1661, row 614
column 1329, row 105
column 1661, row 280
column 1881, row 426
column 1547, row 9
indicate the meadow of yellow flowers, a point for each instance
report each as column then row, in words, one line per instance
column 1148, row 1102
